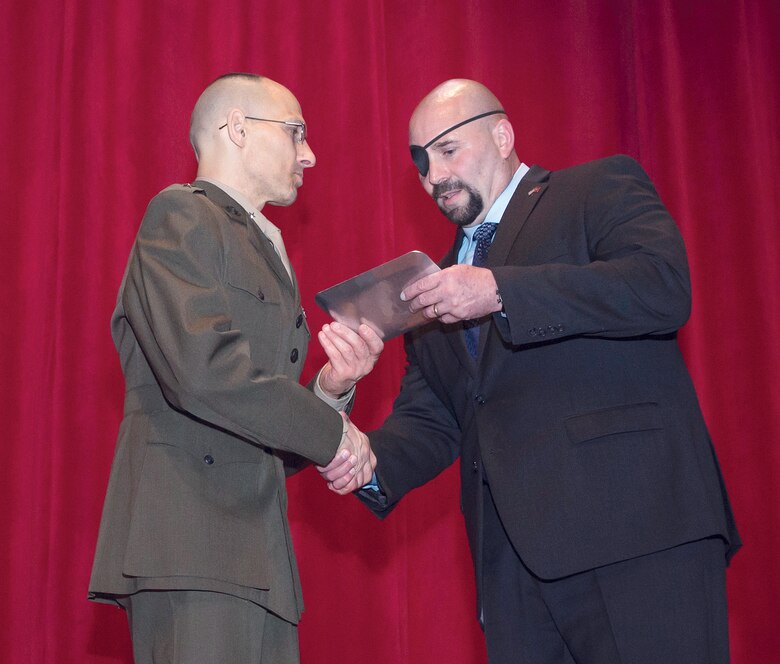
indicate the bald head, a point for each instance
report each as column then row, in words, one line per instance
column 449, row 103
column 244, row 91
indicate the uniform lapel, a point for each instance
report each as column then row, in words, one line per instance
column 256, row 237
column 266, row 248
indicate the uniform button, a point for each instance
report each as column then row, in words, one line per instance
column 532, row 331
column 260, row 295
column 294, row 355
column 474, row 466
column 208, row 459
column 299, row 320
column 480, row 399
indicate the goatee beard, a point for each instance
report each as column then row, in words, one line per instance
column 464, row 215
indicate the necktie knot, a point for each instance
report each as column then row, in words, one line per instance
column 483, row 237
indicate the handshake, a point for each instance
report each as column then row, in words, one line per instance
column 351, row 355
column 354, row 463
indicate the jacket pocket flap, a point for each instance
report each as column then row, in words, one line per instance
column 610, row 421
column 255, row 282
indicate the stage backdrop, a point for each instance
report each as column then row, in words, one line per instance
column 94, row 121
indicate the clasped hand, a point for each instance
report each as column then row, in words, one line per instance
column 354, row 463
column 351, row 355
column 459, row 292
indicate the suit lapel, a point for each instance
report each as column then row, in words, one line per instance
column 528, row 193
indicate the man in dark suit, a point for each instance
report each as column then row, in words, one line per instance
column 194, row 540
column 596, row 515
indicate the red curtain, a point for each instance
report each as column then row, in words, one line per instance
column 94, row 122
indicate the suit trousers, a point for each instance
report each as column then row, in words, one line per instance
column 196, row 627
column 665, row 607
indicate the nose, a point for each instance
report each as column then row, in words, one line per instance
column 436, row 172
column 306, row 156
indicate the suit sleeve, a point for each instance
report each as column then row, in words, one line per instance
column 417, row 441
column 634, row 280
column 175, row 302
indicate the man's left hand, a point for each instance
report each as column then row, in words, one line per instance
column 459, row 292
column 351, row 355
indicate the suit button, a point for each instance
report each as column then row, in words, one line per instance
column 260, row 295
column 480, row 399
column 299, row 320
column 208, row 459
column 532, row 331
column 294, row 355
column 474, row 466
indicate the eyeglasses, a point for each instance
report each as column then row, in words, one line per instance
column 299, row 133
column 419, row 154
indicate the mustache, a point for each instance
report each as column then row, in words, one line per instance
column 441, row 188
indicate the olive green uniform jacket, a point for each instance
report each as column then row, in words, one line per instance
column 211, row 337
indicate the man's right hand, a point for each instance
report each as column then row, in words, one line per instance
column 354, row 463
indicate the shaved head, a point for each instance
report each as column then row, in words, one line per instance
column 230, row 91
column 447, row 104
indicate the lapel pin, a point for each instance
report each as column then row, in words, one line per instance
column 535, row 190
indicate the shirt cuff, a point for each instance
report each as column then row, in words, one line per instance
column 373, row 485
column 339, row 403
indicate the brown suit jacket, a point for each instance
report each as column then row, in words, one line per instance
column 211, row 337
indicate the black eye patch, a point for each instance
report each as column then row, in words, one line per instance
column 420, row 159
column 420, row 152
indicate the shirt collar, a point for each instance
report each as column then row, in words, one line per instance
column 498, row 208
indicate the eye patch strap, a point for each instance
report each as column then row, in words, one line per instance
column 419, row 154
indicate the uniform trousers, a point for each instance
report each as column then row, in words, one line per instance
column 196, row 627
column 667, row 607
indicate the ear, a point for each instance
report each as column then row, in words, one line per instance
column 236, row 127
column 504, row 137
